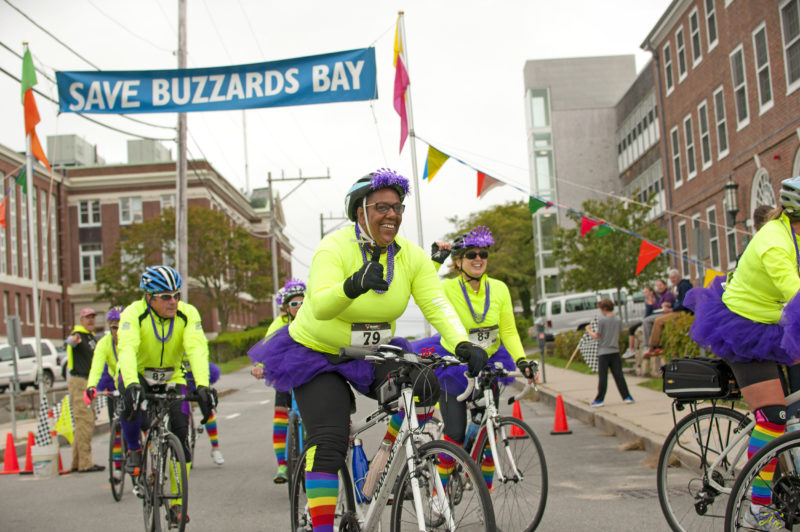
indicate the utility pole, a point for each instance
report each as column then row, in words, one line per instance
column 323, row 219
column 181, row 202
column 273, row 241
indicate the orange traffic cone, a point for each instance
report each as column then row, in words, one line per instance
column 61, row 470
column 10, row 463
column 28, row 456
column 517, row 413
column 560, row 424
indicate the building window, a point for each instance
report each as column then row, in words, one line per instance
column 705, row 137
column 761, row 54
column 713, row 236
column 91, row 259
column 18, row 306
column 730, row 239
column 688, row 137
column 130, row 210
column 700, row 254
column 41, row 209
column 711, row 24
column 739, row 88
column 680, row 50
column 3, row 243
column 694, row 35
column 790, row 26
column 722, row 123
column 668, row 69
column 58, row 313
column 89, row 213
column 53, row 240
column 167, row 201
column 48, row 315
column 762, row 192
column 684, row 244
column 540, row 109
column 28, row 312
column 676, row 157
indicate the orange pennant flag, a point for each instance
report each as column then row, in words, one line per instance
column 3, row 212
column 37, row 151
column 647, row 253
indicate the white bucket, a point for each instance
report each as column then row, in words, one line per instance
column 45, row 460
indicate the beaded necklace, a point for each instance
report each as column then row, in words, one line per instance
column 155, row 330
column 389, row 259
column 478, row 319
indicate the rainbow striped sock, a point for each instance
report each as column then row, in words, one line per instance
column 116, row 451
column 487, row 467
column 321, row 490
column 763, row 433
column 446, row 463
column 279, row 423
column 397, row 420
column 211, row 428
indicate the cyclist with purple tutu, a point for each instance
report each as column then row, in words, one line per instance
column 349, row 302
column 753, row 322
column 484, row 308
column 289, row 299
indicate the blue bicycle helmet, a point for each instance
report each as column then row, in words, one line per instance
column 114, row 313
column 156, row 279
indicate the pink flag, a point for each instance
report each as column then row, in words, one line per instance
column 3, row 212
column 587, row 224
column 486, row 183
column 401, row 81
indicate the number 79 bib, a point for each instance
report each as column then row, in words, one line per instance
column 370, row 335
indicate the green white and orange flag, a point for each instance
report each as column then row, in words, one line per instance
column 29, row 104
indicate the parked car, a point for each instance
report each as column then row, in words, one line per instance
column 26, row 365
column 570, row 312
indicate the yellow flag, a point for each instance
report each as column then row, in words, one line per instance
column 710, row 276
column 433, row 163
column 64, row 423
column 398, row 45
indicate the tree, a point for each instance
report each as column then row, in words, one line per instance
column 225, row 261
column 596, row 262
column 512, row 259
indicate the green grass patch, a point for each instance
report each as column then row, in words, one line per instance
column 234, row 364
column 577, row 365
column 656, row 384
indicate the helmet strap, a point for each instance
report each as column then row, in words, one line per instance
column 369, row 238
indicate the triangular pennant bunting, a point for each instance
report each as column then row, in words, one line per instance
column 534, row 204
column 587, row 224
column 3, row 212
column 647, row 253
column 22, row 181
column 603, row 230
column 433, row 163
column 486, row 183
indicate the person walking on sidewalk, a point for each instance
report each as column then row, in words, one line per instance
column 80, row 350
column 607, row 335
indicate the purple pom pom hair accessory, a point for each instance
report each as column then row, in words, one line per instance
column 385, row 178
column 291, row 283
column 479, row 237
column 279, row 296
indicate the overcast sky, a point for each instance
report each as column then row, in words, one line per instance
column 466, row 59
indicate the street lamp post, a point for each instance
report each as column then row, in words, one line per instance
column 731, row 202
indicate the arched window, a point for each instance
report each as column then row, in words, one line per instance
column 761, row 192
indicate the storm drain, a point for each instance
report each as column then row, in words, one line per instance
column 638, row 493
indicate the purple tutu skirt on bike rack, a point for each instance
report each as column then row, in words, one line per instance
column 735, row 338
column 451, row 378
column 106, row 382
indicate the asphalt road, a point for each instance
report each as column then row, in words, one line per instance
column 592, row 482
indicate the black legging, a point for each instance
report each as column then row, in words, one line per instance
column 614, row 362
column 454, row 415
column 325, row 403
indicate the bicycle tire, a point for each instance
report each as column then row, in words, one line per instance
column 518, row 503
column 292, row 447
column 116, row 467
column 785, row 482
column 192, row 434
column 148, row 484
column 468, row 497
column 695, row 442
column 298, row 502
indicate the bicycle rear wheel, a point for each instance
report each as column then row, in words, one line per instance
column 148, row 484
column 300, row 515
column 292, row 447
column 687, row 500
column 117, row 458
column 519, row 500
column 173, row 485
column 193, row 432
column 466, row 495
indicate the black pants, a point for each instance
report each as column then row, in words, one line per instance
column 283, row 399
column 325, row 403
column 614, row 363
column 178, row 421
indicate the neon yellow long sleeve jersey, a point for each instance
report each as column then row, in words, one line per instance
column 103, row 354
column 329, row 319
column 139, row 348
column 276, row 324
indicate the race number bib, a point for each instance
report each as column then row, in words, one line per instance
column 156, row 376
column 484, row 336
column 370, row 335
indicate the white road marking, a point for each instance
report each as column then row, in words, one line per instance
column 266, row 402
column 237, row 414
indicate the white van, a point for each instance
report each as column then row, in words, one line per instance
column 26, row 365
column 571, row 312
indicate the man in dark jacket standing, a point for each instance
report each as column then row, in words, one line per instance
column 80, row 348
column 678, row 287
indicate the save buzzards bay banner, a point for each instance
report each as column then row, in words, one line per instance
column 335, row 77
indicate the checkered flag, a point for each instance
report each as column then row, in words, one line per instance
column 43, row 436
column 99, row 404
column 588, row 347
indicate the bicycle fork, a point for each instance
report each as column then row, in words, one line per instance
column 491, row 416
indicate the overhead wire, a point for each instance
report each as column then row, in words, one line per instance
column 128, row 30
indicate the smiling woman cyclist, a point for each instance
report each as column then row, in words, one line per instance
column 349, row 302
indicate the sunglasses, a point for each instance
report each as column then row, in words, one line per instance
column 295, row 303
column 168, row 296
column 472, row 254
column 383, row 207
column 114, row 327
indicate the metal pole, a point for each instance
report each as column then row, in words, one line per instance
column 181, row 202
column 246, row 163
column 273, row 245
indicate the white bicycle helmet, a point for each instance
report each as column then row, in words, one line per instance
column 790, row 196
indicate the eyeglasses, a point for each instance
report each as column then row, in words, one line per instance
column 295, row 303
column 168, row 296
column 114, row 327
column 472, row 254
column 383, row 207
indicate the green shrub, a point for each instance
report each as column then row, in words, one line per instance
column 523, row 324
column 565, row 343
column 230, row 345
column 675, row 338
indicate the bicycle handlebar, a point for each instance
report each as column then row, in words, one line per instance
column 388, row 352
column 471, row 386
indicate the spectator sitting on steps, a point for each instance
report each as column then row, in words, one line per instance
column 679, row 288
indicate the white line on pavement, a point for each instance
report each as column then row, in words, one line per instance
column 237, row 414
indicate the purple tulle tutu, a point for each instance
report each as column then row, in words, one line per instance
column 288, row 364
column 106, row 382
column 213, row 376
column 735, row 338
column 451, row 378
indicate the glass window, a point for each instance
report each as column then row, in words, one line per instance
column 676, row 157
column 694, row 33
column 542, row 140
column 556, row 308
column 790, row 26
column 577, row 304
column 705, row 137
column 91, row 256
column 761, row 54
column 28, row 311
column 543, row 160
column 540, row 108
column 547, row 223
column 739, row 87
column 130, row 210
column 688, row 137
column 551, row 284
column 680, row 50
column 730, row 239
column 711, row 23
column 89, row 213
column 684, row 244
column 53, row 240
column 167, row 201
column 722, row 128
column 713, row 241
column 668, row 69
column 539, row 311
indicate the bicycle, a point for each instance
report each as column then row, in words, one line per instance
column 117, row 448
column 519, row 487
column 294, row 440
column 419, row 499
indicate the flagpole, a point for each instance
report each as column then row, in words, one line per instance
column 33, row 248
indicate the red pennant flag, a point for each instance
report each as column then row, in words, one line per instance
column 3, row 212
column 587, row 224
column 401, row 82
column 647, row 253
column 486, row 183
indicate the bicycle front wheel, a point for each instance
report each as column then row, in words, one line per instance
column 148, row 484
column 173, row 488
column 785, row 484
column 292, row 447
column 117, row 457
column 465, row 503
column 688, row 500
column 299, row 512
column 519, row 498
